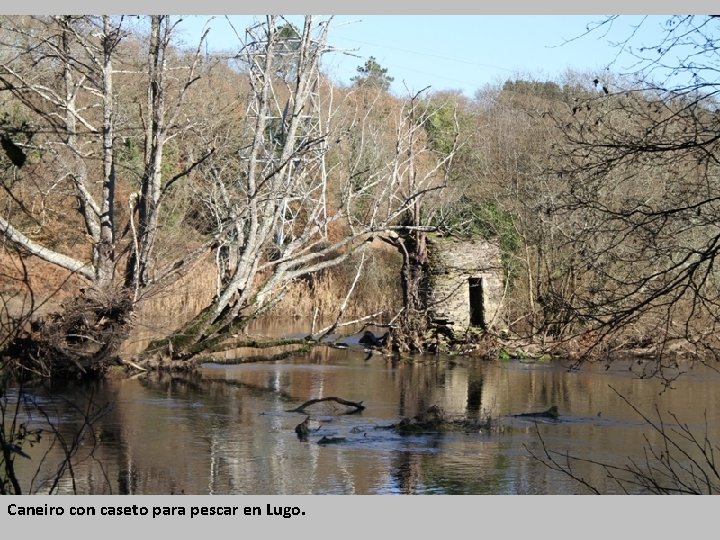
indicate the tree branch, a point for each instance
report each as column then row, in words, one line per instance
column 16, row 237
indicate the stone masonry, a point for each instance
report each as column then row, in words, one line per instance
column 466, row 283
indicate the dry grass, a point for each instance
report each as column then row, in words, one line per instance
column 378, row 289
column 50, row 284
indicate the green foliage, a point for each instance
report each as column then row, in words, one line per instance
column 373, row 75
column 440, row 127
column 171, row 160
column 548, row 90
column 130, row 159
column 289, row 36
column 486, row 219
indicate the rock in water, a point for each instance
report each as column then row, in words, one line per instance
column 552, row 412
column 303, row 429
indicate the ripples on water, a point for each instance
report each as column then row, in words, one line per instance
column 226, row 430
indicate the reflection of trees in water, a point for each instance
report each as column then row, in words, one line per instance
column 145, row 436
column 451, row 473
column 127, row 474
column 467, row 478
column 225, row 430
column 474, row 394
column 417, row 387
column 460, row 390
column 184, row 433
column 553, row 389
column 406, row 471
column 51, row 428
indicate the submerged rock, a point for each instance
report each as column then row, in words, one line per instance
column 434, row 420
column 332, row 440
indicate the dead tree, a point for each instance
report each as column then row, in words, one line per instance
column 55, row 95
column 427, row 168
column 356, row 406
column 282, row 204
column 61, row 74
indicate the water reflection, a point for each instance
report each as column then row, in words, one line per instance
column 226, row 429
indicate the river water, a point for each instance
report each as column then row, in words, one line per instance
column 226, row 429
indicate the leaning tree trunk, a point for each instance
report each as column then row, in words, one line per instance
column 277, row 170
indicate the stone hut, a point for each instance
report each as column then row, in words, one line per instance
column 466, row 283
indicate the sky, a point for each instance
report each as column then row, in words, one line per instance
column 463, row 52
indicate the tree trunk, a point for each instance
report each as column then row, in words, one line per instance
column 155, row 136
column 105, row 263
column 410, row 336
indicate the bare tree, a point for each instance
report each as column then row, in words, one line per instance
column 289, row 213
column 62, row 81
column 162, row 115
column 425, row 170
column 71, row 79
column 641, row 156
column 641, row 160
column 264, row 193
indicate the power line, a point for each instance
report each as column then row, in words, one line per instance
column 426, row 54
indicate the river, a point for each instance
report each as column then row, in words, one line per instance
column 225, row 429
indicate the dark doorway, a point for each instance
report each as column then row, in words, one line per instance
column 477, row 310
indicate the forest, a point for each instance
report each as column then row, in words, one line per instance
column 133, row 168
column 130, row 163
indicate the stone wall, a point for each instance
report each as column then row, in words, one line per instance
column 466, row 278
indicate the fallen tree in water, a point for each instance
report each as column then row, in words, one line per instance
column 356, row 406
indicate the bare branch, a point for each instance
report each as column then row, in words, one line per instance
column 83, row 269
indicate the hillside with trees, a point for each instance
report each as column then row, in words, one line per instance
column 130, row 164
